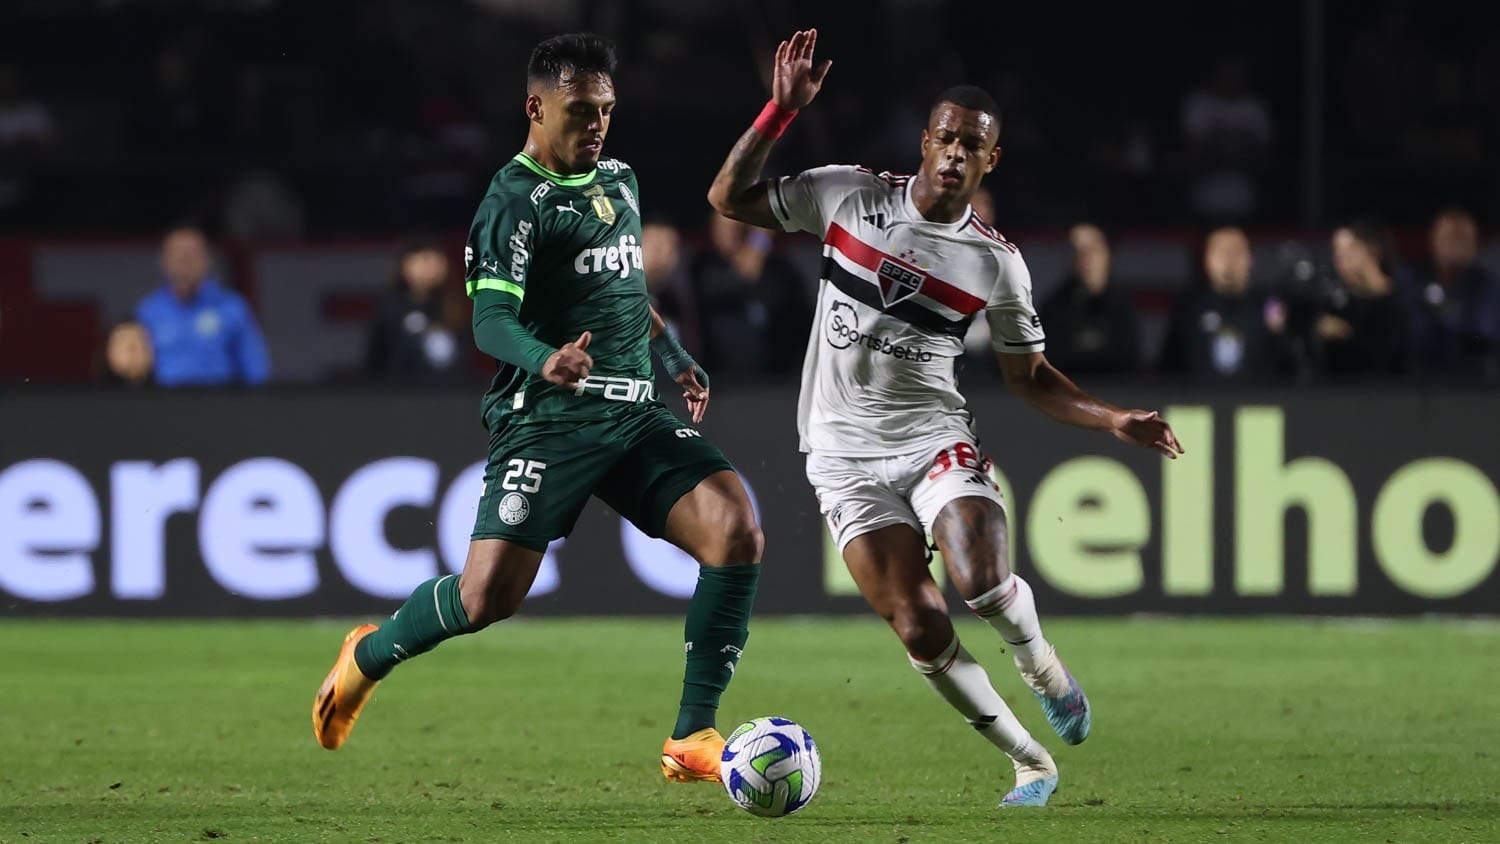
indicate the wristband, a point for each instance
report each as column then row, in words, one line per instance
column 674, row 358
column 773, row 120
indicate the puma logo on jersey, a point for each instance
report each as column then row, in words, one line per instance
column 619, row 258
column 569, row 209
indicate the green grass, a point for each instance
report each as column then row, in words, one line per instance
column 549, row 731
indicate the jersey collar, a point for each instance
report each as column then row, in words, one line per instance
column 916, row 216
column 552, row 175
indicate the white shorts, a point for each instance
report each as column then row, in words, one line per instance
column 859, row 494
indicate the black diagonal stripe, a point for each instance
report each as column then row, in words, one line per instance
column 1035, row 342
column 866, row 293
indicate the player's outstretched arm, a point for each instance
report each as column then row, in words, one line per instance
column 1043, row 387
column 738, row 192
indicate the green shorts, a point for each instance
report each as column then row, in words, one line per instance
column 540, row 474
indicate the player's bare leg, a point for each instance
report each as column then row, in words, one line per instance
column 715, row 523
column 496, row 577
column 971, row 533
column 890, row 566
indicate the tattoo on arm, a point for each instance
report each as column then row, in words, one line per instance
column 738, row 191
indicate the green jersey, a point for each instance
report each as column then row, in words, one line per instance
column 569, row 249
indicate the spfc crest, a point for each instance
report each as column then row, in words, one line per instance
column 603, row 208
column 897, row 282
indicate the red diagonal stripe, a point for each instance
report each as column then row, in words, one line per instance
column 933, row 287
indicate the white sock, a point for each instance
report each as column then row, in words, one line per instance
column 962, row 682
column 1011, row 609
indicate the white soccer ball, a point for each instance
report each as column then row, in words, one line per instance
column 771, row 767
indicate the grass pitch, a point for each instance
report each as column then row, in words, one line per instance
column 550, row 731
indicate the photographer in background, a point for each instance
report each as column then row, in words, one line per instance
column 1364, row 328
column 420, row 330
column 1226, row 330
column 747, row 297
column 1458, row 312
column 1091, row 325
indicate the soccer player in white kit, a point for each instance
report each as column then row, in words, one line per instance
column 891, row 449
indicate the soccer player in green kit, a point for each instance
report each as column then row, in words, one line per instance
column 554, row 266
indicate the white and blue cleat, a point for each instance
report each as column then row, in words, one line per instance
column 1034, row 793
column 1035, row 781
column 1063, row 701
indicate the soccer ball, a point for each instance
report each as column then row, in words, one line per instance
column 770, row 767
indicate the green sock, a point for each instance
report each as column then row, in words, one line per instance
column 717, row 626
column 432, row 614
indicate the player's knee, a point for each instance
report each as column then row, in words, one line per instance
column 736, row 541
column 744, row 540
column 487, row 604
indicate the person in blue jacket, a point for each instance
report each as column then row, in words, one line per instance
column 204, row 333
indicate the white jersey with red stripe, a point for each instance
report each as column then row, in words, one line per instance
column 896, row 297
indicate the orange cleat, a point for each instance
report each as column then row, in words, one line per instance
column 693, row 759
column 343, row 694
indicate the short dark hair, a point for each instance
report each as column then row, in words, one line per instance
column 560, row 58
column 970, row 97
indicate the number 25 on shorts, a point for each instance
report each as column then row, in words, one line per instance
column 531, row 470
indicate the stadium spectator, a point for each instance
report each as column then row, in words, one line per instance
column 1091, row 326
column 203, row 333
column 26, row 130
column 667, row 281
column 127, row 356
column 748, row 298
column 1458, row 324
column 1225, row 330
column 1364, row 329
column 1227, row 128
column 420, row 327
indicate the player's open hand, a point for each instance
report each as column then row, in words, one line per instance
column 796, row 81
column 1147, row 429
column 695, row 392
column 570, row 364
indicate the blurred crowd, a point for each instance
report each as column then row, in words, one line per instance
column 744, row 309
column 267, row 118
column 1368, row 315
column 285, row 121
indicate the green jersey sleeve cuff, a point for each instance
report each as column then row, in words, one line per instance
column 473, row 287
